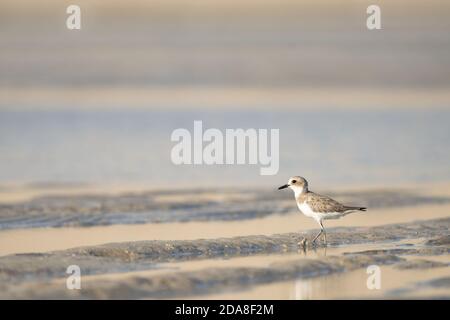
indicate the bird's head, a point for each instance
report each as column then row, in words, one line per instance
column 297, row 184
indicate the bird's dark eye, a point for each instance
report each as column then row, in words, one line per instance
column 294, row 181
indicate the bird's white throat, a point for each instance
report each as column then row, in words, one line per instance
column 298, row 191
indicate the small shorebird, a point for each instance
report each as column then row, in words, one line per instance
column 316, row 206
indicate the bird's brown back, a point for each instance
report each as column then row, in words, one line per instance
column 320, row 203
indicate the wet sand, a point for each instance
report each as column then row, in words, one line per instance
column 24, row 240
column 42, row 275
column 223, row 244
column 350, row 285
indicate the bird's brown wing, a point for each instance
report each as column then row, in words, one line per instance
column 319, row 203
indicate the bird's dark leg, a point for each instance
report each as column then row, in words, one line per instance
column 315, row 238
column 324, row 233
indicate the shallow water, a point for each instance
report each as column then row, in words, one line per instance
column 134, row 147
column 24, row 240
column 412, row 267
column 351, row 285
column 223, row 243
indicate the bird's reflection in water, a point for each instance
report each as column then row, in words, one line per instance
column 302, row 290
column 312, row 252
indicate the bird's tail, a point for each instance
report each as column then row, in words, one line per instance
column 357, row 208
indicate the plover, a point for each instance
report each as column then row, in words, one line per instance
column 317, row 206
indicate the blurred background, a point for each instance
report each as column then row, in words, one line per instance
column 97, row 106
column 86, row 118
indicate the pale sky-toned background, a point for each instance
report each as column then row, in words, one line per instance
column 353, row 106
column 224, row 54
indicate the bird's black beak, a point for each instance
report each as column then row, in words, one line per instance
column 283, row 187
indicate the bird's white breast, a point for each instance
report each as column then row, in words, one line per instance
column 318, row 216
column 306, row 209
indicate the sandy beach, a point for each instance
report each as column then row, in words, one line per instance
column 127, row 250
